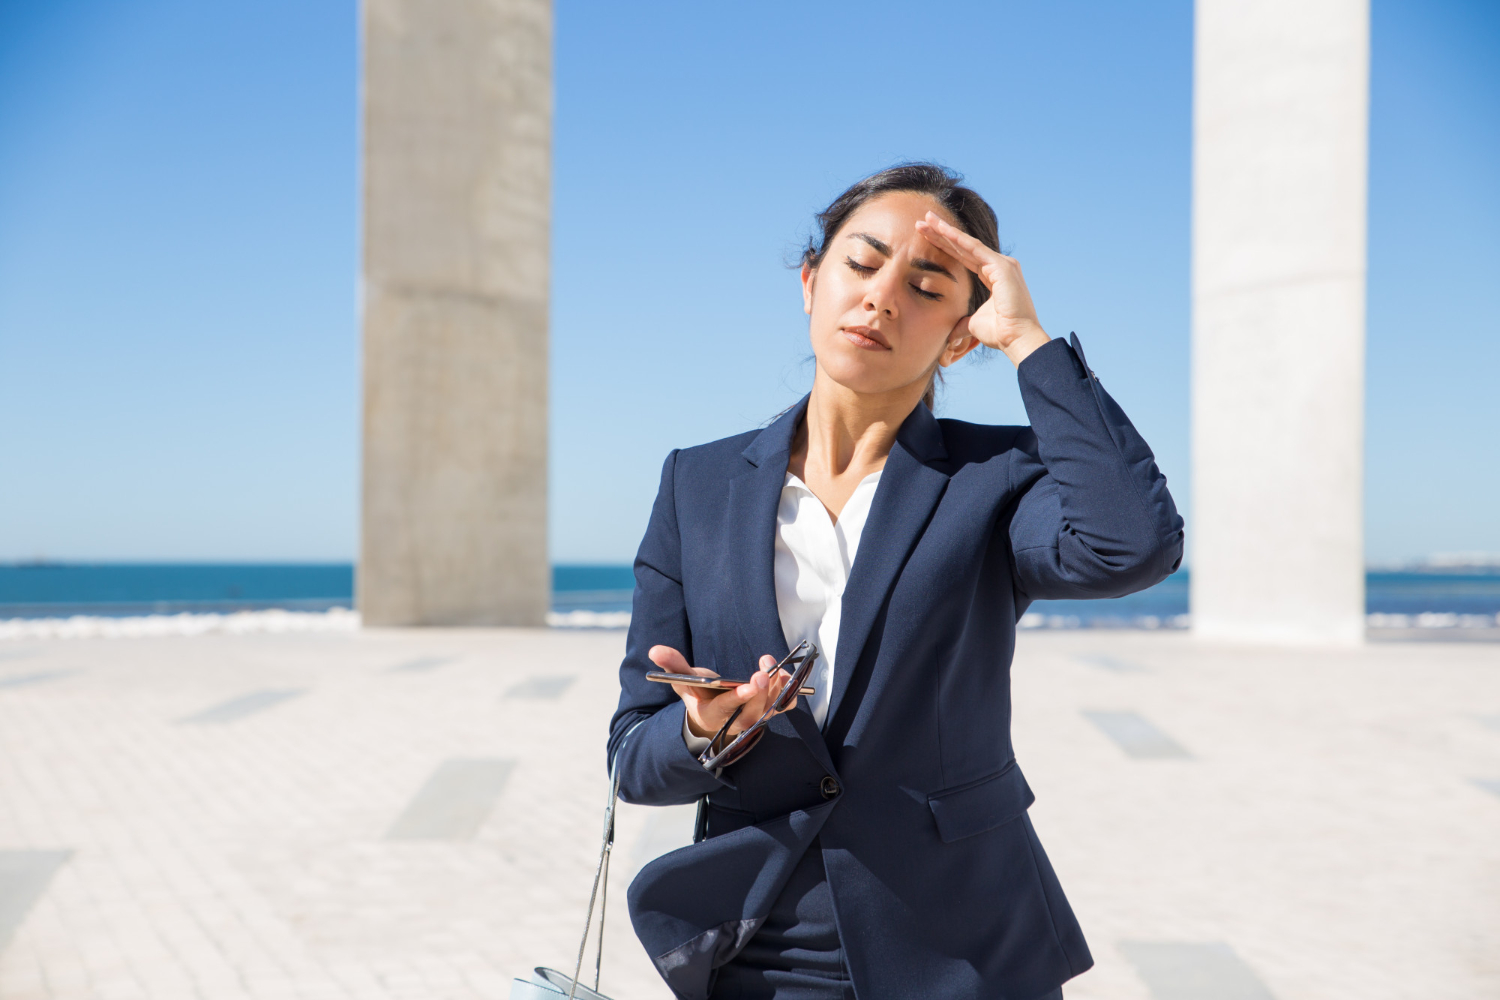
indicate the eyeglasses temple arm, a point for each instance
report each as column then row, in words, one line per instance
column 722, row 730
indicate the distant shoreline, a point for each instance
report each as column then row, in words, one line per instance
column 1437, row 597
column 1426, row 627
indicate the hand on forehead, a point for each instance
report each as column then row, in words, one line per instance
column 893, row 225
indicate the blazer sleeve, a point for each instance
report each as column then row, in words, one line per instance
column 1094, row 518
column 656, row 767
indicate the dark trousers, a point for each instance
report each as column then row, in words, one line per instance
column 796, row 954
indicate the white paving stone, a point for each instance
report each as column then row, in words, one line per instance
column 1328, row 826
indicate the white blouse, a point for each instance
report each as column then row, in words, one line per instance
column 814, row 555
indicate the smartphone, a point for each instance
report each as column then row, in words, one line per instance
column 712, row 683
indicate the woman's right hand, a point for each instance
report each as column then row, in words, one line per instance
column 708, row 709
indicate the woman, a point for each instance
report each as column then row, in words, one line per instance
column 875, row 842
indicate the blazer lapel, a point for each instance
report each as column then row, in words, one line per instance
column 909, row 490
column 753, row 498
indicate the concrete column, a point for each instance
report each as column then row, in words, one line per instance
column 457, row 134
column 1280, row 112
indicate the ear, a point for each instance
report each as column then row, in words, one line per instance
column 808, row 277
column 960, row 342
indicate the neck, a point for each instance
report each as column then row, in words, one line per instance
column 849, row 432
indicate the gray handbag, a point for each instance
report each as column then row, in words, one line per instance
column 549, row 984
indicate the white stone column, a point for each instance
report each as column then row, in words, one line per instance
column 1280, row 126
column 457, row 135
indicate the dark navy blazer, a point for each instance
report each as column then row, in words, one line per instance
column 939, row 884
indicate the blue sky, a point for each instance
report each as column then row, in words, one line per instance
column 179, row 227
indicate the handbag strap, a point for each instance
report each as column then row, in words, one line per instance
column 601, row 873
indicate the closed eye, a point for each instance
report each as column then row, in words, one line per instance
column 865, row 269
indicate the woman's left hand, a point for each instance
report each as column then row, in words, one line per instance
column 1007, row 320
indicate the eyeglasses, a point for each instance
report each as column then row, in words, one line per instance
column 803, row 656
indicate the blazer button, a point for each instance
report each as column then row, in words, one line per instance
column 829, row 787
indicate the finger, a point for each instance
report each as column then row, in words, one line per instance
column 779, row 684
column 755, row 707
column 971, row 252
column 957, row 237
column 767, row 662
column 673, row 662
column 958, row 337
column 967, row 260
column 758, row 684
column 669, row 659
column 966, row 255
column 741, row 694
column 753, row 695
column 697, row 695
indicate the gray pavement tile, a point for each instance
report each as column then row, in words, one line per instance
column 1136, row 736
column 1492, row 721
column 454, row 802
column 1176, row 970
column 1489, row 784
column 548, row 688
column 424, row 664
column 244, row 705
column 23, row 878
column 40, row 677
column 1112, row 663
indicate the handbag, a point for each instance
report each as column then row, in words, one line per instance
column 549, row 984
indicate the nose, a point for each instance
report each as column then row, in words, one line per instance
column 881, row 292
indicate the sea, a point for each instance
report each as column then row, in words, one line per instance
column 600, row 594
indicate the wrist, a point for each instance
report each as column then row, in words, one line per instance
column 697, row 728
column 1019, row 347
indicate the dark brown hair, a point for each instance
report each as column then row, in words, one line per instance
column 970, row 212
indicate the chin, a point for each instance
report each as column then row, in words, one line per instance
column 861, row 374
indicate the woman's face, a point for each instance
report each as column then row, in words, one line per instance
column 886, row 305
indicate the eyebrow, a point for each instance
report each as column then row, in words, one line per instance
column 920, row 263
column 923, row 264
column 880, row 245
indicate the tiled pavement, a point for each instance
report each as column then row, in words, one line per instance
column 414, row 814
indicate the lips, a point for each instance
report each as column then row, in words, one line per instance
column 866, row 337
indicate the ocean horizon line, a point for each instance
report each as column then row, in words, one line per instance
column 580, row 590
column 341, row 619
